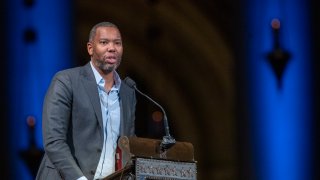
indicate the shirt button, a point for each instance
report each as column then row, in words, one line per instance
column 92, row 172
column 99, row 150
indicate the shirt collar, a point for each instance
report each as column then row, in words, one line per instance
column 99, row 78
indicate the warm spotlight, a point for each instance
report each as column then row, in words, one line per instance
column 275, row 23
column 157, row 116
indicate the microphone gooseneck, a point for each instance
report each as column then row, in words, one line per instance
column 167, row 140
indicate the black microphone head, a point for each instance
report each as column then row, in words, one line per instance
column 130, row 82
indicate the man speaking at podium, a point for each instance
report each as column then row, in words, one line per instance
column 85, row 110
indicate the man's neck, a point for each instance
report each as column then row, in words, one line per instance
column 108, row 78
column 108, row 81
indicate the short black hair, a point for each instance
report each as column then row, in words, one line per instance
column 101, row 24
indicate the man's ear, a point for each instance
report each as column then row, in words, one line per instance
column 90, row 48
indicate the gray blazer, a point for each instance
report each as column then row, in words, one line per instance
column 72, row 124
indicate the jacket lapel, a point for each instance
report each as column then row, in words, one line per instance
column 123, row 108
column 90, row 85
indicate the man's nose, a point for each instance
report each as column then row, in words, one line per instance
column 111, row 47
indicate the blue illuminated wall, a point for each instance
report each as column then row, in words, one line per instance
column 280, row 117
column 39, row 43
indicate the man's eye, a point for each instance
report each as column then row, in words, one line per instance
column 118, row 43
column 103, row 42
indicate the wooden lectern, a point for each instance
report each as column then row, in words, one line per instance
column 142, row 159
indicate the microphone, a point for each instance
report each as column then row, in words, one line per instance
column 167, row 140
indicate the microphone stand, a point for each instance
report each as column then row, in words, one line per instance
column 167, row 140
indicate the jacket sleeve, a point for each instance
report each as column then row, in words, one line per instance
column 55, row 121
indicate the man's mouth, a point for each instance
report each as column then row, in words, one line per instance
column 111, row 59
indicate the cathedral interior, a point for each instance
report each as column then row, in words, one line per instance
column 189, row 56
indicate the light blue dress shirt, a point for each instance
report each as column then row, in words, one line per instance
column 110, row 108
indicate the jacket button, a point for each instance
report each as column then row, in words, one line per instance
column 99, row 150
column 92, row 172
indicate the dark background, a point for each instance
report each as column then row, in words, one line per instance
column 185, row 55
column 4, row 101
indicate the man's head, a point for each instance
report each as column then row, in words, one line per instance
column 105, row 47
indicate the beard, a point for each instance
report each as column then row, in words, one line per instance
column 105, row 67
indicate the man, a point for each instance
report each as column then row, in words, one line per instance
column 85, row 110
